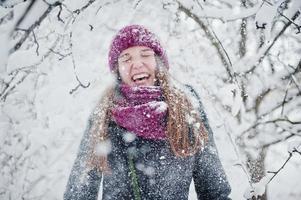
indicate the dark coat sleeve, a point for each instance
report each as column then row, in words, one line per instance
column 83, row 183
column 209, row 176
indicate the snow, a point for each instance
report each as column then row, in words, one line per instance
column 257, row 189
column 159, row 106
column 265, row 16
column 103, row 148
column 294, row 146
column 129, row 137
column 38, row 8
column 5, row 30
column 8, row 4
column 227, row 14
column 3, row 50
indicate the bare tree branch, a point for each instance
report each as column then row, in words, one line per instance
column 297, row 69
column 285, row 95
column 288, row 19
column 259, row 99
column 137, row 3
column 277, row 141
column 213, row 39
column 282, row 167
column 7, row 17
column 279, row 105
column 32, row 27
column 10, row 4
column 77, row 11
column 272, row 44
column 24, row 14
column 37, row 43
column 243, row 33
column 271, row 122
column 15, row 80
column 80, row 84
column 59, row 14
column 62, row 56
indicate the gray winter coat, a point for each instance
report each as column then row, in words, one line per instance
column 158, row 173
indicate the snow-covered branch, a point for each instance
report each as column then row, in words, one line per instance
column 28, row 30
column 258, row 189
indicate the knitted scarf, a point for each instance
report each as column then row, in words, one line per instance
column 141, row 110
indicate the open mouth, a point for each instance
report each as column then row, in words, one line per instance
column 140, row 77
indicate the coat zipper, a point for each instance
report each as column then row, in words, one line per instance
column 134, row 179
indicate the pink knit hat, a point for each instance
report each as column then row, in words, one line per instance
column 134, row 35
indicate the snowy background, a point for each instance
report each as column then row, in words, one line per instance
column 242, row 56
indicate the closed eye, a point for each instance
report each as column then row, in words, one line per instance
column 147, row 54
column 125, row 59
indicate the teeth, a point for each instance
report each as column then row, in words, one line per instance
column 140, row 76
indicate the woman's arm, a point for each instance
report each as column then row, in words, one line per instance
column 209, row 176
column 83, row 184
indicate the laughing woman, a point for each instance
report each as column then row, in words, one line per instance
column 148, row 137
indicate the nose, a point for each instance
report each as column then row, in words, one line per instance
column 137, row 63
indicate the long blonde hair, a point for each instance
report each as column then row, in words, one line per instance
column 185, row 139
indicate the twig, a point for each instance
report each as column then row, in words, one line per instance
column 271, row 121
column 240, row 163
column 6, row 17
column 62, row 56
column 10, row 4
column 25, row 13
column 228, row 132
column 137, row 3
column 35, row 39
column 294, row 79
column 279, row 105
column 243, row 35
column 11, row 85
column 80, row 84
column 272, row 44
column 259, row 99
column 290, row 74
column 288, row 19
column 214, row 40
column 278, row 141
column 59, row 14
column 78, row 11
column 231, row 71
column 285, row 95
column 268, row 2
column 275, row 173
column 105, row 4
column 33, row 26
column 296, row 70
column 297, row 152
column 3, row 96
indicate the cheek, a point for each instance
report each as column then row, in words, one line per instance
column 123, row 71
column 153, row 66
column 124, row 74
column 151, row 63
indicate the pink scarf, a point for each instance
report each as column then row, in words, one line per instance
column 141, row 110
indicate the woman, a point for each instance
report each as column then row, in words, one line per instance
column 148, row 136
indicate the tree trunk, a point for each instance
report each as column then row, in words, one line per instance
column 256, row 168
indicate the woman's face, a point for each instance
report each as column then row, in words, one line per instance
column 137, row 65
